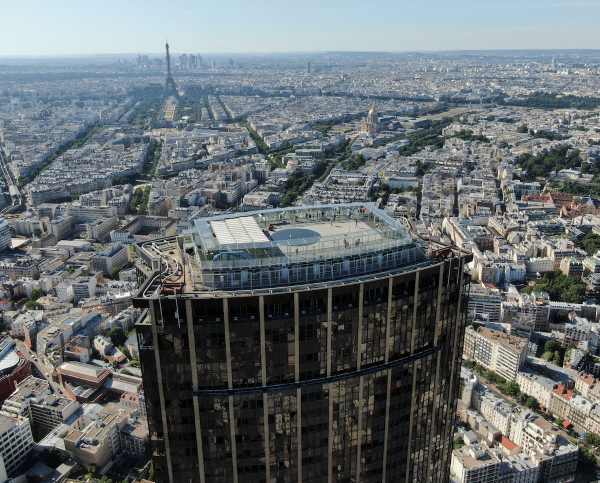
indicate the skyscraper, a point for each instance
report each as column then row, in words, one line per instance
column 317, row 343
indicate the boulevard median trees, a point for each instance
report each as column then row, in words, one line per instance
column 494, row 378
column 511, row 388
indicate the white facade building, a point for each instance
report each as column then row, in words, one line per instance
column 16, row 441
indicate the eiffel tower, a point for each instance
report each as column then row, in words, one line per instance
column 170, row 87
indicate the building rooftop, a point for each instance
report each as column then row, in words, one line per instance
column 7, row 422
column 84, row 371
column 281, row 248
column 475, row 455
column 9, row 357
column 495, row 336
column 563, row 392
column 587, row 379
column 30, row 387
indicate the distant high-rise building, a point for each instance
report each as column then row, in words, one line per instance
column 299, row 348
column 199, row 60
column 553, row 65
column 170, row 87
column 213, row 64
column 5, row 241
column 308, row 67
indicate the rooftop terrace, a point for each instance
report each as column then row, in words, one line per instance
column 280, row 248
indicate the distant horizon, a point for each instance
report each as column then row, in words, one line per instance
column 297, row 52
column 68, row 28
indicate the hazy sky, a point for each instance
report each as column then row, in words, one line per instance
column 132, row 26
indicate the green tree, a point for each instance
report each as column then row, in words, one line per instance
column 494, row 378
column 71, row 269
column 532, row 403
column 114, row 273
column 552, row 345
column 36, row 293
column 592, row 439
column 557, row 359
column 125, row 351
column 560, row 287
column 522, row 129
column 458, row 443
column 587, row 456
column 31, row 305
column 512, row 388
column 117, row 336
column 522, row 398
column 590, row 243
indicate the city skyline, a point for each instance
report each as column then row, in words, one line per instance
column 236, row 27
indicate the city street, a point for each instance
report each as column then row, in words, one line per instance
column 41, row 369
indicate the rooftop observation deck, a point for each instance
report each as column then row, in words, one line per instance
column 281, row 248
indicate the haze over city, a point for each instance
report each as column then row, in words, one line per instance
column 232, row 26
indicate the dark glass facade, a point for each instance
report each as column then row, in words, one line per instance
column 353, row 382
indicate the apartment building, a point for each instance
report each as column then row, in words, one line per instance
column 559, row 402
column 475, row 463
column 32, row 399
column 502, row 353
column 61, row 227
column 112, row 256
column 537, row 386
column 100, row 229
column 16, row 441
column 101, row 440
column 84, row 288
column 483, row 300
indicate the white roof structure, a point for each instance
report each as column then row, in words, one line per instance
column 8, row 360
column 238, row 230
